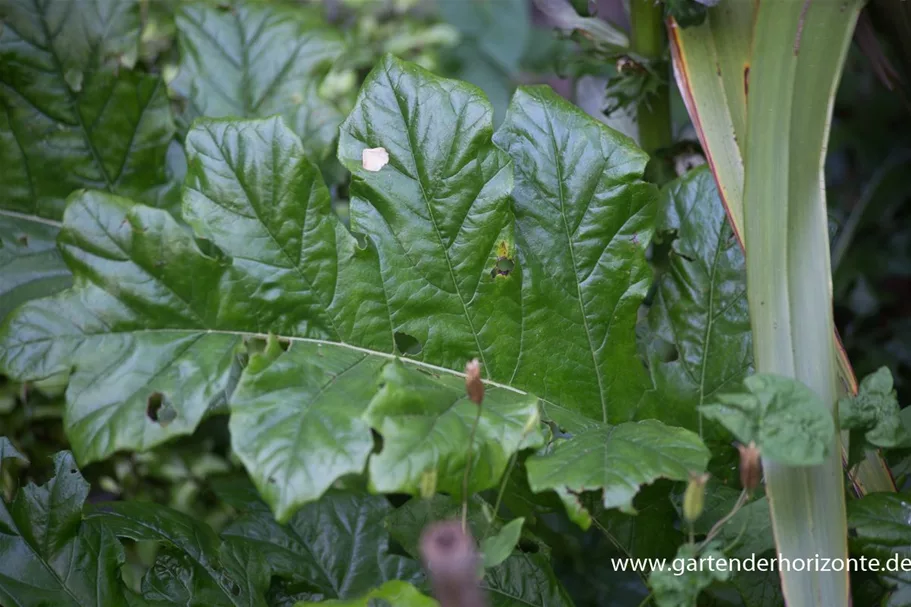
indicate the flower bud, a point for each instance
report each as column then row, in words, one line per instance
column 750, row 466
column 473, row 384
column 694, row 497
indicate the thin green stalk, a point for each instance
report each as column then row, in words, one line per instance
column 503, row 483
column 653, row 115
column 468, row 465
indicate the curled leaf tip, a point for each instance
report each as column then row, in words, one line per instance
column 374, row 159
column 473, row 384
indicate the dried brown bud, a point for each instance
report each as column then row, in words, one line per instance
column 694, row 497
column 452, row 562
column 750, row 466
column 473, row 384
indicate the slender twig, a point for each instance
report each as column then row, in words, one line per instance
column 503, row 483
column 468, row 465
column 744, row 496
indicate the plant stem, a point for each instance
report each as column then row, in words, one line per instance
column 741, row 501
column 468, row 464
column 503, row 483
column 653, row 115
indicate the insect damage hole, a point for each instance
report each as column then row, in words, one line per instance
column 407, row 344
column 158, row 410
column 503, row 267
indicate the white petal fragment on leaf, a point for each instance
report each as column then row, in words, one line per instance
column 374, row 159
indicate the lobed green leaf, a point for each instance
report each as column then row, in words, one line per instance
column 615, row 460
column 250, row 60
column 785, row 419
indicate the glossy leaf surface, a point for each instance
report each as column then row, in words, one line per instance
column 195, row 565
column 30, row 264
column 50, row 555
column 76, row 114
column 254, row 60
column 700, row 306
column 583, row 220
column 337, row 546
column 154, row 332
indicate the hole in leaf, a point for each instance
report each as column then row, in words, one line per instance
column 377, row 440
column 153, row 405
column 407, row 344
column 235, row 589
column 284, row 344
column 503, row 267
column 666, row 351
column 158, row 410
column 23, row 240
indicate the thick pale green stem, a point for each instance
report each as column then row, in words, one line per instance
column 649, row 39
column 798, row 54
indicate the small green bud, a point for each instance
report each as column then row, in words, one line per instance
column 694, row 497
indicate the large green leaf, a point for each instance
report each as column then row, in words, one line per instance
column 49, row 555
column 439, row 215
column 152, row 332
column 75, row 115
column 700, row 305
column 195, row 566
column 615, row 460
column 583, row 220
column 30, row 264
column 251, row 60
column 880, row 523
column 336, row 547
column 126, row 329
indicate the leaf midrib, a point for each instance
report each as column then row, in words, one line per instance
column 32, row 218
column 71, row 97
column 436, row 229
column 572, row 254
column 311, row 340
